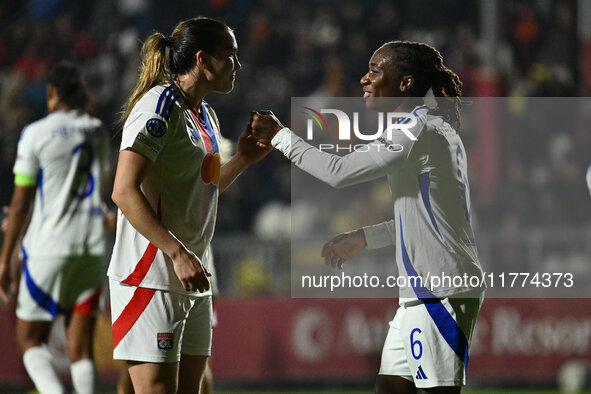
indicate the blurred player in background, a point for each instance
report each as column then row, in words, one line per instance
column 167, row 182
column 426, row 349
column 60, row 167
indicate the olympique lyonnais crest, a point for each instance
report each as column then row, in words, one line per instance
column 165, row 340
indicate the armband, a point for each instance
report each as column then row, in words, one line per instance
column 24, row 180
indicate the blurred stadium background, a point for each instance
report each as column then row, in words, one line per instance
column 529, row 197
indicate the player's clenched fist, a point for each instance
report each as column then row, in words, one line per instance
column 191, row 272
column 264, row 125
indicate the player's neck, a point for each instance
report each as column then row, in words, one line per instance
column 193, row 90
column 58, row 107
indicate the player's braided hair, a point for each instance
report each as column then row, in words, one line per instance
column 425, row 64
column 164, row 57
column 66, row 78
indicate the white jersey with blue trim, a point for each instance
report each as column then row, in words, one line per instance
column 67, row 153
column 428, row 179
column 181, row 186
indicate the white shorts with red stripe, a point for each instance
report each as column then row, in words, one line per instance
column 59, row 285
column 158, row 326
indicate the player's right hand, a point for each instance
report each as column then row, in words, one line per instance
column 342, row 247
column 191, row 272
column 264, row 125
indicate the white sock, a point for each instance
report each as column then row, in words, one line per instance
column 83, row 376
column 39, row 366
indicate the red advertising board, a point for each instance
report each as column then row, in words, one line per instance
column 514, row 339
column 271, row 339
column 530, row 339
column 299, row 338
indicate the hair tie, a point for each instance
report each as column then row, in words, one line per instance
column 168, row 56
column 429, row 99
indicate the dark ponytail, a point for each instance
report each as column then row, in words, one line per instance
column 425, row 64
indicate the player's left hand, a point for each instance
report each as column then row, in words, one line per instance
column 9, row 278
column 109, row 219
column 342, row 247
column 248, row 149
column 4, row 282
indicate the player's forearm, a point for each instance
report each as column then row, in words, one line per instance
column 136, row 208
column 337, row 171
column 17, row 219
column 231, row 170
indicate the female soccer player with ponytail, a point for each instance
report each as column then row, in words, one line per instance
column 166, row 187
column 426, row 349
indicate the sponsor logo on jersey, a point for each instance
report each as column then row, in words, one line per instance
column 156, row 127
column 141, row 138
column 384, row 141
column 210, row 168
column 165, row 340
column 469, row 241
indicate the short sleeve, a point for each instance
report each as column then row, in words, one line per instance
column 146, row 128
column 104, row 152
column 27, row 161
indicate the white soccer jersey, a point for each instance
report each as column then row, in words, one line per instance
column 181, row 186
column 67, row 151
column 428, row 179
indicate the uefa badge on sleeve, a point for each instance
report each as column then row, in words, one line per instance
column 165, row 340
column 156, row 127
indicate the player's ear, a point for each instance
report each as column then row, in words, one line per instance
column 203, row 60
column 51, row 91
column 406, row 83
column 52, row 97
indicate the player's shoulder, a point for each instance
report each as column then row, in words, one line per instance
column 209, row 109
column 37, row 127
column 413, row 122
column 160, row 100
column 86, row 119
column 207, row 105
column 436, row 124
column 42, row 123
